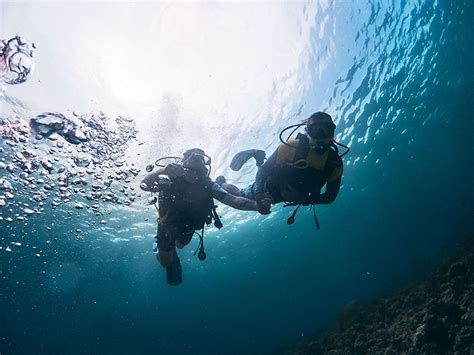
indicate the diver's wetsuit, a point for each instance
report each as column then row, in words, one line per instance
column 178, row 222
column 278, row 178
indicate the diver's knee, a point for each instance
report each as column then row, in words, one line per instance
column 165, row 258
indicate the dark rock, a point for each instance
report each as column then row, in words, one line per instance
column 390, row 351
column 468, row 317
column 433, row 317
column 464, row 338
column 458, row 269
column 360, row 344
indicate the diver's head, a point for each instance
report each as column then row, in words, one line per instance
column 320, row 128
column 195, row 159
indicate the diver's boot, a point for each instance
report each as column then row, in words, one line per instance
column 242, row 157
column 174, row 273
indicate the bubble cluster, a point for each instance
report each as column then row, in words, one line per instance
column 53, row 160
column 93, row 131
column 16, row 60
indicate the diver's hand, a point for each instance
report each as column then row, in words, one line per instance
column 263, row 203
column 174, row 170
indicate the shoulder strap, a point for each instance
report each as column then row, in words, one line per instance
column 333, row 156
column 332, row 162
column 209, row 184
column 303, row 147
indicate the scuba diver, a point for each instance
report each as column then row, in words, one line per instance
column 185, row 205
column 297, row 171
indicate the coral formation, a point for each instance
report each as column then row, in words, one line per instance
column 433, row 317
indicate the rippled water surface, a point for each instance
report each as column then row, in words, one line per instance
column 116, row 85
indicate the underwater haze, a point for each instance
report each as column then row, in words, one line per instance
column 116, row 85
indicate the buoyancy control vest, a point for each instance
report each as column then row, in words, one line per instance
column 186, row 203
column 301, row 170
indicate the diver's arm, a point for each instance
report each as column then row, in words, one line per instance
column 330, row 194
column 263, row 173
column 263, row 203
column 332, row 186
column 151, row 181
column 239, row 203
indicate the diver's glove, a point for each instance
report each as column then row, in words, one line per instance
column 263, row 203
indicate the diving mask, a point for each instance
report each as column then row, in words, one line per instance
column 320, row 130
column 197, row 160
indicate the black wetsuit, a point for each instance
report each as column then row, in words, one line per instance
column 183, row 209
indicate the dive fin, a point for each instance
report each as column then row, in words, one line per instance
column 174, row 273
column 242, row 157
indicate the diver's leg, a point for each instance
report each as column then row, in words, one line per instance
column 174, row 273
column 165, row 258
column 232, row 189
column 166, row 248
column 169, row 237
column 184, row 237
column 248, row 192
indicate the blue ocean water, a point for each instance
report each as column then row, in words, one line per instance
column 396, row 76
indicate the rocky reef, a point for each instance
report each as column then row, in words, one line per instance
column 435, row 316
